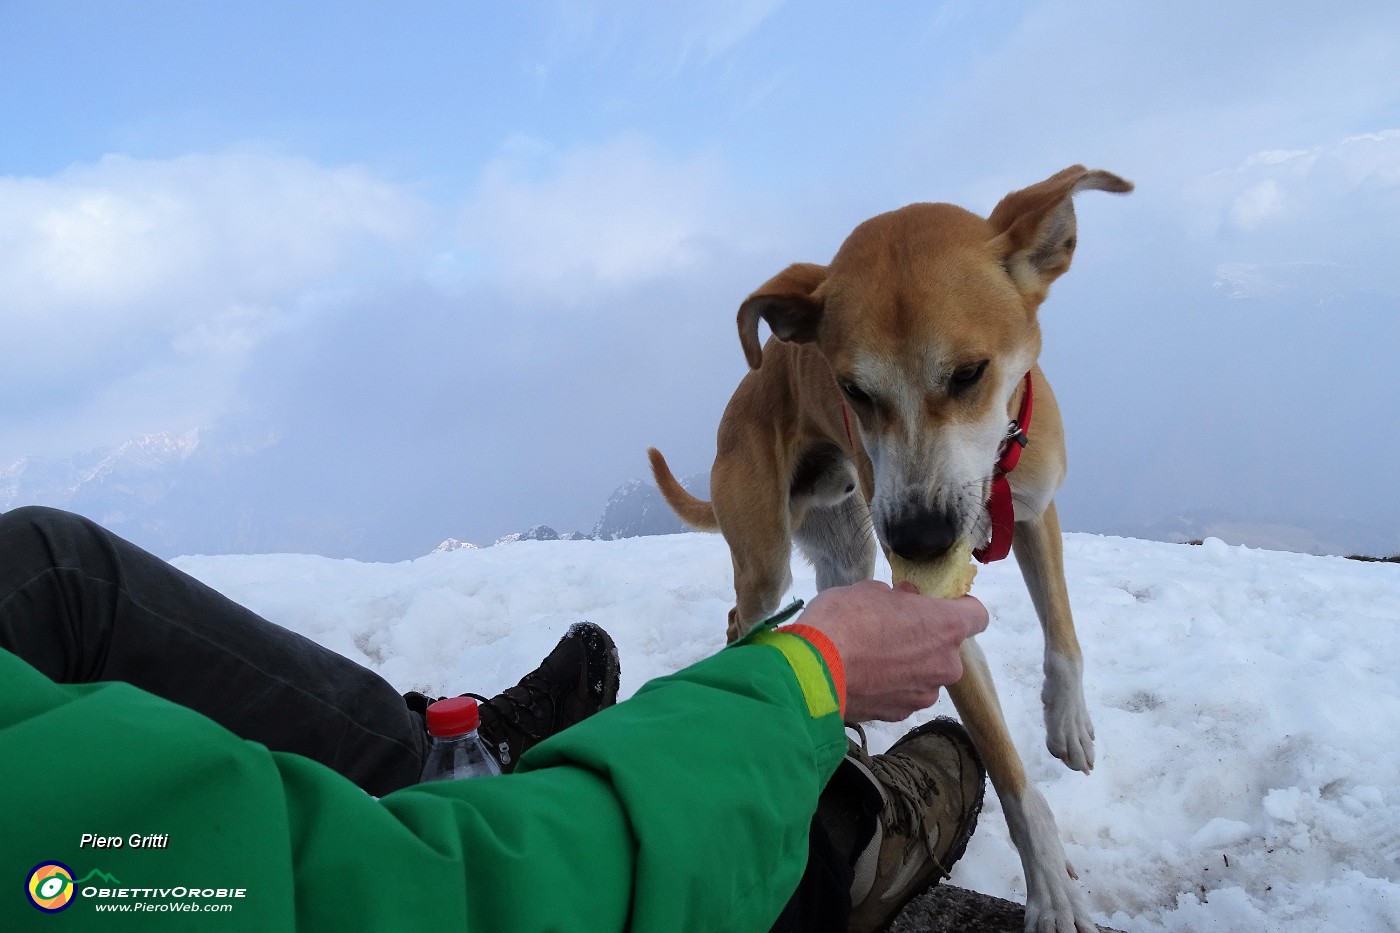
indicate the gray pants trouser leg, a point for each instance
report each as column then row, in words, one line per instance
column 81, row 604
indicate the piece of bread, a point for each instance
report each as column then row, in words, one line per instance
column 950, row 576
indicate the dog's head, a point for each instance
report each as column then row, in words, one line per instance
column 927, row 317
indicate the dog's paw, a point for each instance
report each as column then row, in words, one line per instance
column 1053, row 921
column 1069, row 735
column 1054, row 901
column 1069, row 732
column 1038, row 921
column 1056, row 905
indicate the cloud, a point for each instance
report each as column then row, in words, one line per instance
column 556, row 224
column 1325, row 217
column 1275, row 187
column 1267, row 280
column 716, row 27
column 123, row 230
column 1158, row 92
column 272, row 295
column 1257, row 205
column 658, row 39
column 132, row 290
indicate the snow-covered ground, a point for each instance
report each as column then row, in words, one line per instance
column 1247, row 702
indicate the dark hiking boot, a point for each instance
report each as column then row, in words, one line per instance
column 903, row 817
column 579, row 678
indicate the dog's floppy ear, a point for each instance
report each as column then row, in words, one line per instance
column 789, row 304
column 1035, row 229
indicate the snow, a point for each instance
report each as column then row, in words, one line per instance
column 1246, row 702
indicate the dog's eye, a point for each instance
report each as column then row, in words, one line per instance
column 855, row 393
column 965, row 377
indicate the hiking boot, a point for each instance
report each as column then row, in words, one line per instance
column 579, row 678
column 903, row 817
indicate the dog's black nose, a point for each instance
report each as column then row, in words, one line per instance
column 922, row 534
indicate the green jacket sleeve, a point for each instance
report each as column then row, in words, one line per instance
column 684, row 808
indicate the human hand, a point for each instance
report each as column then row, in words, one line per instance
column 898, row 647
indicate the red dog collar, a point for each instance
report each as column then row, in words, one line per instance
column 999, row 507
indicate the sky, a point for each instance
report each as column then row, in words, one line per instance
column 463, row 262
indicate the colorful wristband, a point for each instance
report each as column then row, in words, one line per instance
column 827, row 649
column 808, row 666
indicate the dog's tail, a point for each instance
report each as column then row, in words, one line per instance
column 697, row 513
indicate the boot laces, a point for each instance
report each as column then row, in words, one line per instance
column 910, row 789
column 522, row 706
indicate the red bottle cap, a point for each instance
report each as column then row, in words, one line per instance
column 456, row 716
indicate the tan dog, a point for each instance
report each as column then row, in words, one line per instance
column 883, row 400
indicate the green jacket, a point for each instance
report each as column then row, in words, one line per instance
column 686, row 807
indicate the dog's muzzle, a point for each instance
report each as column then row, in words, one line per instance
column 921, row 534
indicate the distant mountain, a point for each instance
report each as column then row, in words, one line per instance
column 453, row 544
column 1300, row 534
column 107, row 483
column 172, row 493
column 542, row 533
column 634, row 510
column 222, row 491
column 637, row 509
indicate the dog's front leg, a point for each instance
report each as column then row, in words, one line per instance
column 1054, row 903
column 1069, row 732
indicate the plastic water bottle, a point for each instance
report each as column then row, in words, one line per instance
column 457, row 751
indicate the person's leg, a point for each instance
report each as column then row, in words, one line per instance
column 81, row 604
column 822, row 901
